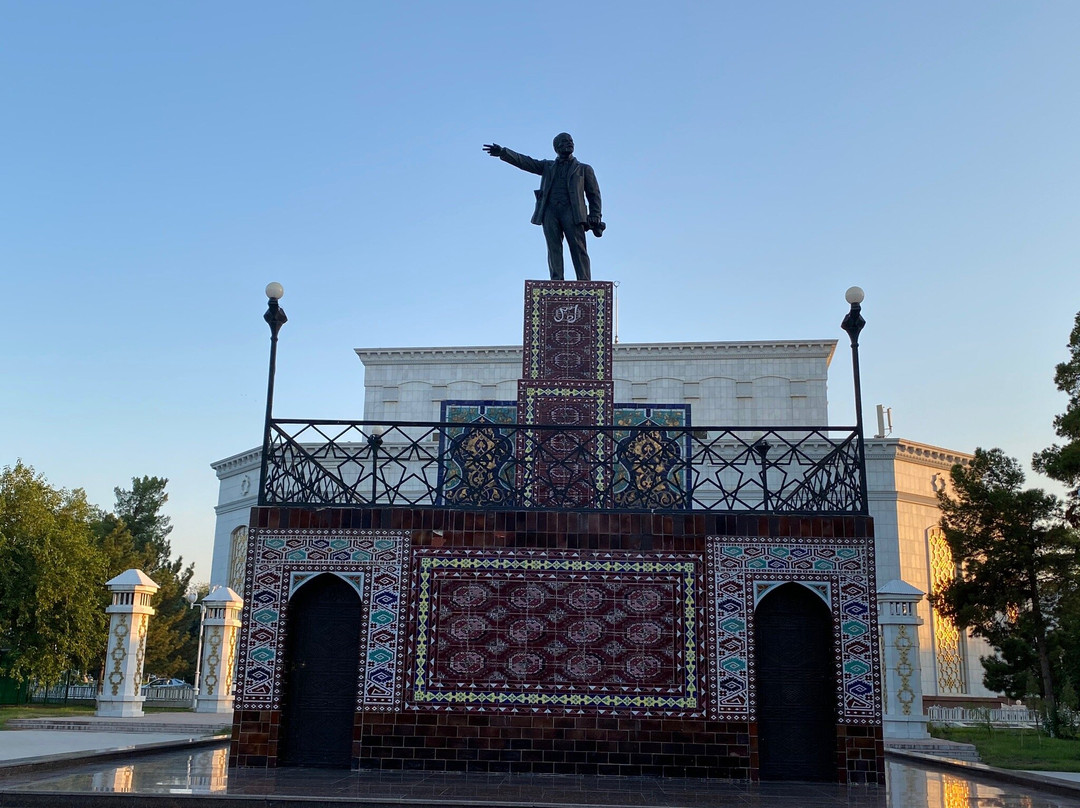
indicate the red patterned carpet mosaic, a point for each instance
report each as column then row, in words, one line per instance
column 567, row 330
column 530, row 631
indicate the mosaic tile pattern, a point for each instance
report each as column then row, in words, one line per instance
column 505, row 412
column 570, row 404
column 563, row 469
column 742, row 571
column 568, row 331
column 541, row 631
column 479, row 463
column 465, row 412
column 673, row 415
column 652, row 468
column 374, row 562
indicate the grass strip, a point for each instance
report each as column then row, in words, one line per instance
column 1012, row 748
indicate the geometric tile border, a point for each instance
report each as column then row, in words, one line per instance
column 557, row 632
column 741, row 571
column 374, row 562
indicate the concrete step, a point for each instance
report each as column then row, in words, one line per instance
column 936, row 746
column 190, row 728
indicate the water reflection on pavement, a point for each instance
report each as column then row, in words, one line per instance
column 205, row 772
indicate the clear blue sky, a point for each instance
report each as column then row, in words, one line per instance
column 163, row 161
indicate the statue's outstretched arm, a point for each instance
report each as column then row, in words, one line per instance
column 522, row 161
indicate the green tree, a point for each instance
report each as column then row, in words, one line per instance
column 1069, row 638
column 172, row 636
column 1062, row 463
column 51, row 570
column 119, row 553
column 140, row 509
column 1017, row 556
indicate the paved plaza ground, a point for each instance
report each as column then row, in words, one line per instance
column 201, row 777
column 194, row 773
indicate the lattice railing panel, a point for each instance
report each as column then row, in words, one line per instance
column 483, row 464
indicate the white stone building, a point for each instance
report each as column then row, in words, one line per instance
column 903, row 478
column 735, row 384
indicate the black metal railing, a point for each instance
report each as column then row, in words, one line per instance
column 795, row 470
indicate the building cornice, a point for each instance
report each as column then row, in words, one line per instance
column 726, row 350
column 823, row 349
column 230, row 465
column 458, row 354
column 922, row 453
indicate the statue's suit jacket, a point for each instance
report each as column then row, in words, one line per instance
column 580, row 178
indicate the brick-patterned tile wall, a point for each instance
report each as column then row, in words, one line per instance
column 544, row 744
column 860, row 755
column 255, row 738
column 564, row 530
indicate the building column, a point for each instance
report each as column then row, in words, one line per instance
column 899, row 620
column 217, row 661
column 129, row 617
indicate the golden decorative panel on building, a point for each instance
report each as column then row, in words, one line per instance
column 948, row 653
column 237, row 559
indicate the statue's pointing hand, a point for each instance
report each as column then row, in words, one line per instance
column 494, row 149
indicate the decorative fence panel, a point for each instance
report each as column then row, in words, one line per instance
column 481, row 464
column 981, row 715
column 80, row 693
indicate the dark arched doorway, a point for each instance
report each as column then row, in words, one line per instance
column 796, row 686
column 323, row 652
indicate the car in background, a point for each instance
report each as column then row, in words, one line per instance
column 158, row 682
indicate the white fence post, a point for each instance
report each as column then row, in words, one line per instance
column 129, row 616
column 899, row 620
column 221, row 624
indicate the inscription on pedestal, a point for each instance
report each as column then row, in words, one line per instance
column 567, row 331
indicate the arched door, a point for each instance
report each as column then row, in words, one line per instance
column 796, row 686
column 322, row 664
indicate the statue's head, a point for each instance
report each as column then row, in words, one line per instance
column 564, row 144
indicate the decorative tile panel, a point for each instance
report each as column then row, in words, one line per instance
column 565, row 404
column 673, row 415
column 838, row 569
column 652, row 469
column 279, row 562
column 948, row 652
column 478, row 467
column 563, row 469
column 466, row 412
column 505, row 412
column 568, row 331
column 556, row 631
column 238, row 543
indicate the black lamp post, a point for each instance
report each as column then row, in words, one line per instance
column 853, row 324
column 761, row 447
column 375, row 441
column 275, row 318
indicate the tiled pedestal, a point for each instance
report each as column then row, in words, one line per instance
column 565, row 381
